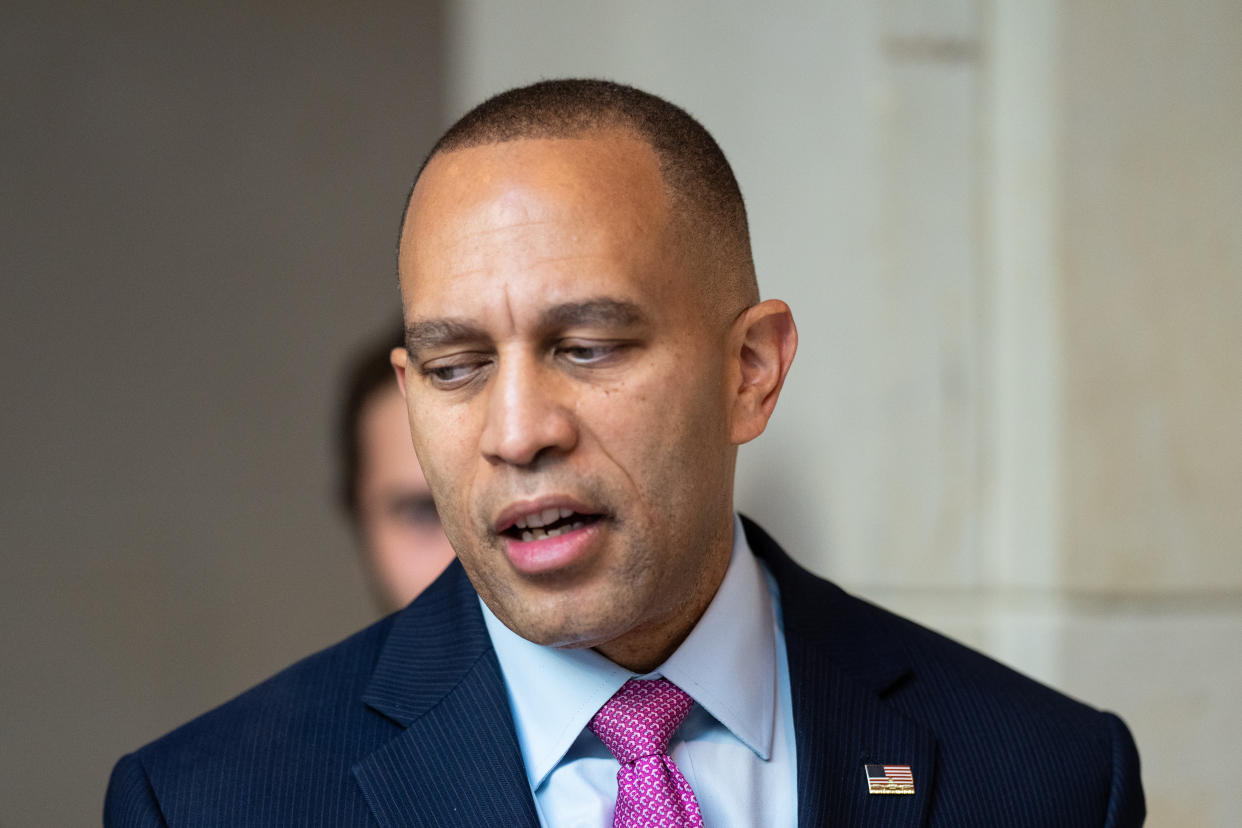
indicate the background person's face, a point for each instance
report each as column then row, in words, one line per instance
column 403, row 544
column 563, row 366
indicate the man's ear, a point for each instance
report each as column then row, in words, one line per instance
column 763, row 341
column 400, row 359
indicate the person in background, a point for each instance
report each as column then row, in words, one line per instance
column 382, row 488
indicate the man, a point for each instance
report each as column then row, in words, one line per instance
column 383, row 490
column 585, row 350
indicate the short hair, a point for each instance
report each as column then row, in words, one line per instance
column 697, row 176
column 367, row 373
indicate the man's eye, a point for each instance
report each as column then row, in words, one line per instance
column 417, row 510
column 452, row 374
column 587, row 353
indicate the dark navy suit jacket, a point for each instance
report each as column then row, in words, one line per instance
column 407, row 724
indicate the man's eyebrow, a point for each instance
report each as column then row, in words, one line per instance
column 434, row 333
column 614, row 312
column 431, row 333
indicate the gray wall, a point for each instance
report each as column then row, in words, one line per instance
column 199, row 211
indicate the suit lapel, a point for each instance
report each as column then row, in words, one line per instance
column 840, row 670
column 841, row 726
column 457, row 762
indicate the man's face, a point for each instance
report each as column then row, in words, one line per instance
column 566, row 390
column 403, row 543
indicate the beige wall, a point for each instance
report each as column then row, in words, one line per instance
column 1010, row 233
column 1150, row 284
column 1151, row 296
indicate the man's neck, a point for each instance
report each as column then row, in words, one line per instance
column 643, row 649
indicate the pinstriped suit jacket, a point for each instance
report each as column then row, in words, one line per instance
column 407, row 724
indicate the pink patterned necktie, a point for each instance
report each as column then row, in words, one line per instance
column 636, row 724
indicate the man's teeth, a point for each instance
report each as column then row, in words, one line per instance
column 536, row 519
column 532, row 525
column 529, row 535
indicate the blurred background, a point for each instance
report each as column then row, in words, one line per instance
column 1010, row 231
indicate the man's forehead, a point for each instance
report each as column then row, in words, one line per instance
column 603, row 167
column 518, row 206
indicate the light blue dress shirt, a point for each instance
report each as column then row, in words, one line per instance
column 736, row 747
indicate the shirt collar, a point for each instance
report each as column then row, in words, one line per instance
column 727, row 664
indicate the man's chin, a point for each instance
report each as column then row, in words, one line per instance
column 559, row 632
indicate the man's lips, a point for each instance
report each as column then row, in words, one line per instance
column 548, row 534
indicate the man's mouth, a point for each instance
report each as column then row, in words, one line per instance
column 547, row 523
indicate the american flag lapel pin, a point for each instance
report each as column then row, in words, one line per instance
column 889, row 779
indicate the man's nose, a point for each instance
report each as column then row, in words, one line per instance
column 528, row 415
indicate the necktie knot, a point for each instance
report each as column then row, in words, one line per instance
column 641, row 718
column 636, row 725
